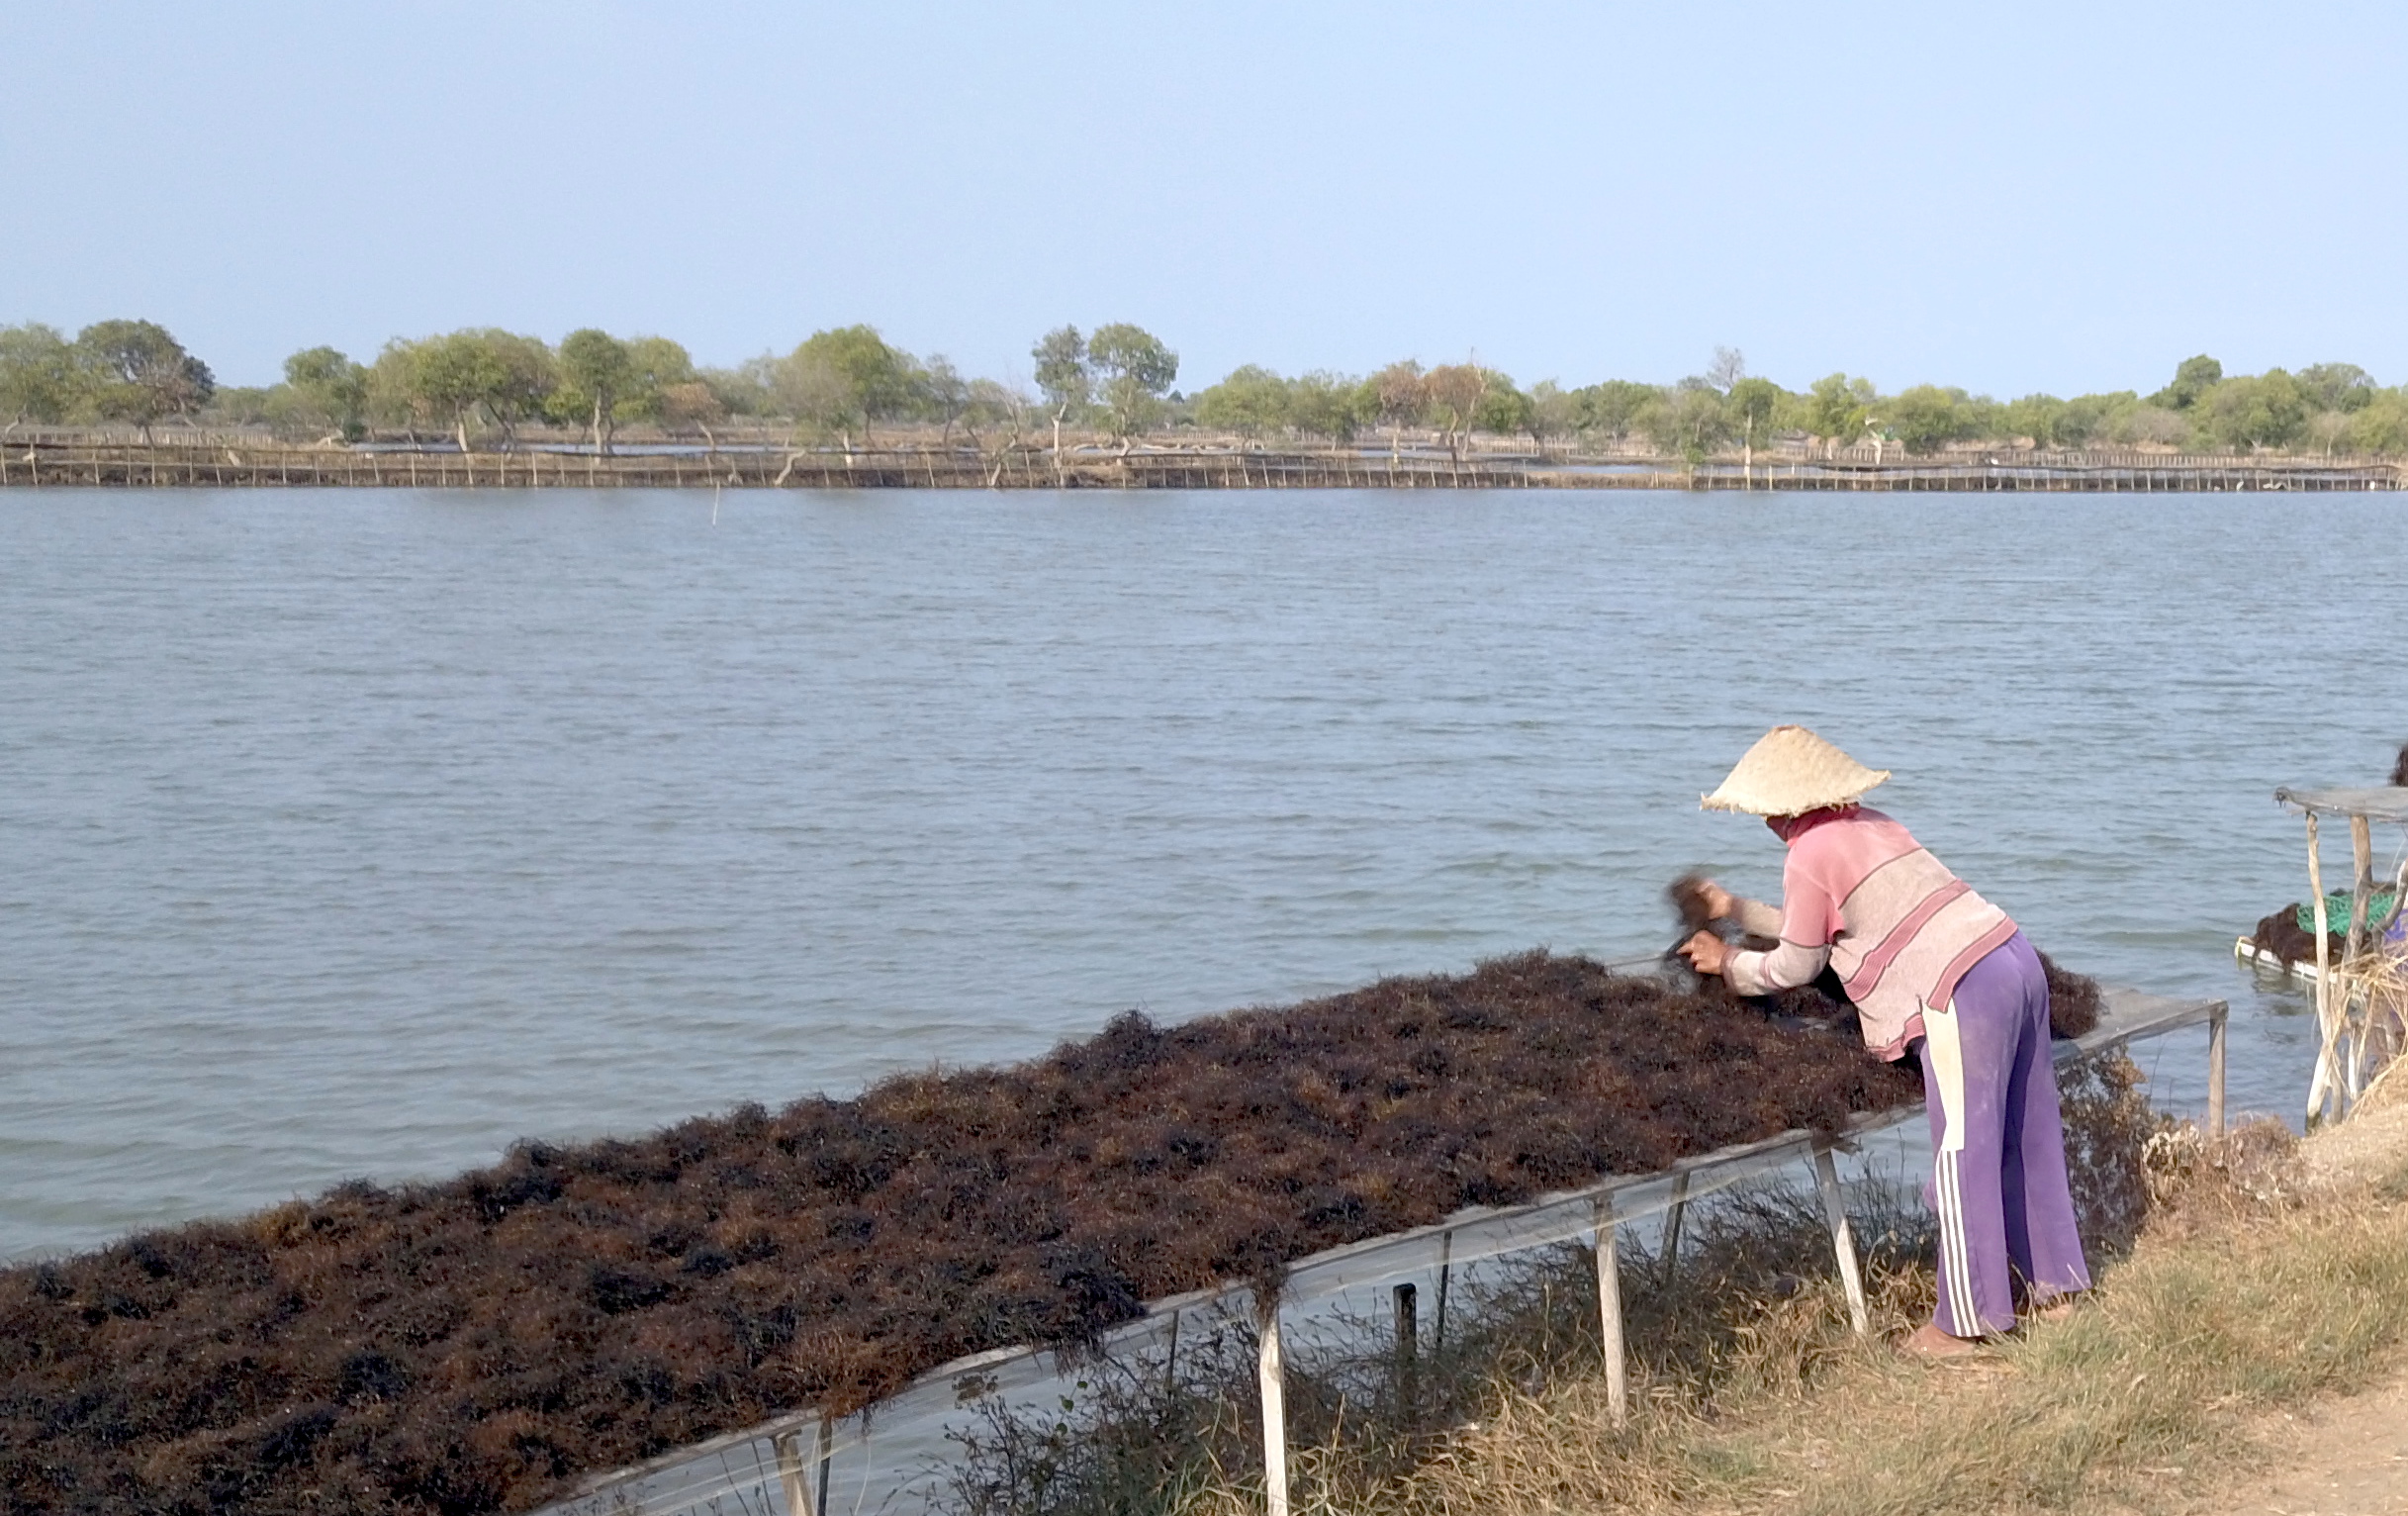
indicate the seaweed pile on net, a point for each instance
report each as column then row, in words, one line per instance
column 476, row 1345
column 2290, row 935
column 2282, row 937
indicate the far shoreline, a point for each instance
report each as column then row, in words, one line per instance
column 255, row 463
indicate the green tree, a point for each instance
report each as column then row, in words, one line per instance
column 1556, row 411
column 2192, row 378
column 1502, row 409
column 604, row 380
column 848, row 377
column 1133, row 372
column 993, row 404
column 1250, row 402
column 1397, row 396
column 2084, row 418
column 600, row 374
column 1454, row 392
column 1064, row 377
column 1838, row 409
column 1927, row 418
column 1616, row 406
column 140, row 373
column 2381, row 425
column 1327, row 405
column 2248, row 413
column 454, row 376
column 41, row 376
column 2131, row 421
column 2033, row 415
column 659, row 366
column 748, row 389
column 530, row 373
column 944, row 393
column 324, row 390
column 2335, row 386
column 1688, row 421
column 394, row 398
column 810, row 389
column 1754, row 402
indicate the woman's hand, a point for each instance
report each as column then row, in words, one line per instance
column 1705, row 952
column 1719, row 901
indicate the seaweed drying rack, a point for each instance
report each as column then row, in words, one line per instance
column 780, row 1468
column 2352, row 1031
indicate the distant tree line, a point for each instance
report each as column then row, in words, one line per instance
column 487, row 384
column 2326, row 408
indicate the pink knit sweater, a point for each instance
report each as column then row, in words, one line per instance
column 1860, row 893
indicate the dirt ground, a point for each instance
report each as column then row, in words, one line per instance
column 2347, row 1458
column 2343, row 1457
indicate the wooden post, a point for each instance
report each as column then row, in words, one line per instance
column 1672, row 1224
column 2215, row 1073
column 1408, row 1360
column 2322, row 1079
column 1609, row 1311
column 1275, row 1412
column 1170, row 1358
column 789, row 1476
column 1843, row 1241
column 1437, row 1335
column 795, row 1480
column 2361, row 854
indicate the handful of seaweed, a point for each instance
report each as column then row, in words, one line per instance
column 477, row 1345
column 2074, row 998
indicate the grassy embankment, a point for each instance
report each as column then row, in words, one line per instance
column 2269, row 1276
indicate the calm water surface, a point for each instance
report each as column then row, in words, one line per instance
column 363, row 833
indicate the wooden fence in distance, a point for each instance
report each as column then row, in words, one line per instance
column 188, row 466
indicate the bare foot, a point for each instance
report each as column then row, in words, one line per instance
column 2052, row 1307
column 1928, row 1341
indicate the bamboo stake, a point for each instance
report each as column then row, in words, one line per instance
column 2215, row 1073
column 793, row 1481
column 2322, row 1079
column 1672, row 1224
column 2361, row 854
column 1274, row 1413
column 1843, row 1240
column 790, row 1476
column 1609, row 1311
column 1438, row 1336
column 1170, row 1358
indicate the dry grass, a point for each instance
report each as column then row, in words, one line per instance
column 1733, row 1334
column 2256, row 1292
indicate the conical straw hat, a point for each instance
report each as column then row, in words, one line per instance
column 1789, row 772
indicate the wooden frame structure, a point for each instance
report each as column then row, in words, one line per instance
column 2354, row 1033
column 742, row 1470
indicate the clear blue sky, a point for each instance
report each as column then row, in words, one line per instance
column 2037, row 196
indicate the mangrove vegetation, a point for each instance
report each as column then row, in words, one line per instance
column 485, row 387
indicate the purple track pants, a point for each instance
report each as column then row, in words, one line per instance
column 1998, row 1174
